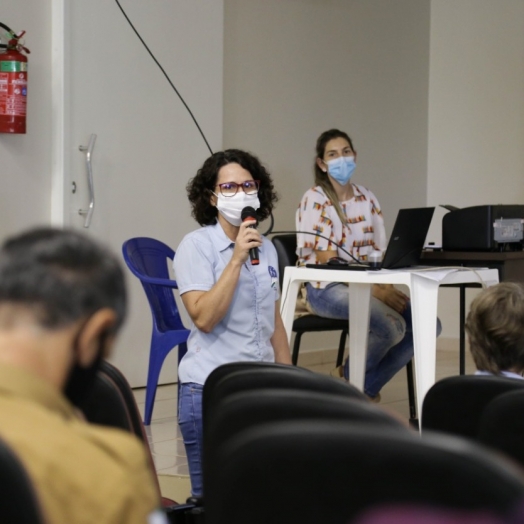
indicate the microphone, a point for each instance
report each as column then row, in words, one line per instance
column 247, row 213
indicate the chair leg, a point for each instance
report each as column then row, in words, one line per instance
column 296, row 347
column 342, row 347
column 411, row 391
column 152, row 383
column 156, row 359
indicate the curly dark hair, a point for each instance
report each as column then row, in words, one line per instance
column 200, row 187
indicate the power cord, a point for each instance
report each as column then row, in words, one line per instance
column 165, row 74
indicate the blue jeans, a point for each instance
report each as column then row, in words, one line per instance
column 190, row 422
column 390, row 342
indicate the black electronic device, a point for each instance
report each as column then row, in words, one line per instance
column 405, row 244
column 337, row 261
column 483, row 228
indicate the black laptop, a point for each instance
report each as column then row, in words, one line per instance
column 405, row 244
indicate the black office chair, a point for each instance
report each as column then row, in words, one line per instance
column 316, row 471
column 455, row 404
column 242, row 377
column 286, row 246
column 112, row 403
column 244, row 410
column 501, row 425
column 19, row 503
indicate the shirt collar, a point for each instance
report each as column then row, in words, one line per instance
column 508, row 374
column 20, row 383
column 219, row 238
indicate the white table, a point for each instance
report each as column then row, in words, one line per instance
column 423, row 286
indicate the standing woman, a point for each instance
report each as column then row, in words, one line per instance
column 349, row 216
column 233, row 304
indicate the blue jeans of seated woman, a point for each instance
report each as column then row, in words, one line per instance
column 390, row 342
column 190, row 422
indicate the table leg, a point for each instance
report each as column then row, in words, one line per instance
column 462, row 352
column 359, row 302
column 288, row 302
column 424, row 298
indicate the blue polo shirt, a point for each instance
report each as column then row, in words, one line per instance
column 245, row 331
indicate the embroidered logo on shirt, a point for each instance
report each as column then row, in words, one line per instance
column 274, row 276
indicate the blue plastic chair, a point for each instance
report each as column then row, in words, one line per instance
column 147, row 259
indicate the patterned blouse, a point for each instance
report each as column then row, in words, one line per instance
column 362, row 233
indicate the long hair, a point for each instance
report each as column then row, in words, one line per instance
column 321, row 178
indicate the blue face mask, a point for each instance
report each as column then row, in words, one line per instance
column 341, row 168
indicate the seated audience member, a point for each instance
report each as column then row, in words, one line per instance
column 340, row 219
column 495, row 327
column 62, row 301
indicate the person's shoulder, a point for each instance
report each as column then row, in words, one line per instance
column 316, row 193
column 116, row 445
column 195, row 235
column 201, row 236
column 363, row 189
column 105, row 466
column 268, row 244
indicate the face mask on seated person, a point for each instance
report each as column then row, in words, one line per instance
column 231, row 207
column 341, row 168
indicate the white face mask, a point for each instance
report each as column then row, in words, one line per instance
column 231, row 207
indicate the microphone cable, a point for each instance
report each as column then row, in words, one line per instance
column 317, row 235
column 165, row 74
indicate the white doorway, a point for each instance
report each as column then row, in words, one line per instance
column 147, row 147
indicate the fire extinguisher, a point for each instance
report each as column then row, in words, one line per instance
column 13, row 85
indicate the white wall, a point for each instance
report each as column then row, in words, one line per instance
column 148, row 147
column 25, row 160
column 431, row 91
column 296, row 68
column 476, row 113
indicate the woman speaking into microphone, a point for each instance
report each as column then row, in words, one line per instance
column 232, row 300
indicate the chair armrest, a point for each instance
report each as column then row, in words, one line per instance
column 159, row 281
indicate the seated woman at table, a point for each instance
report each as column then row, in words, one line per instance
column 495, row 328
column 349, row 217
column 233, row 304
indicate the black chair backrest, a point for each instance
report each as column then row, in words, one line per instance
column 214, row 379
column 19, row 502
column 243, row 410
column 455, row 404
column 112, row 403
column 286, row 246
column 501, row 425
column 316, row 471
column 268, row 376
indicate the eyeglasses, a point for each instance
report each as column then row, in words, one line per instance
column 229, row 189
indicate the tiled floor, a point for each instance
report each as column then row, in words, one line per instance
column 166, row 442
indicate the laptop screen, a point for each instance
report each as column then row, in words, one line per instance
column 408, row 236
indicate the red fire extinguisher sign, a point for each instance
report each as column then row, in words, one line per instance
column 13, row 90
